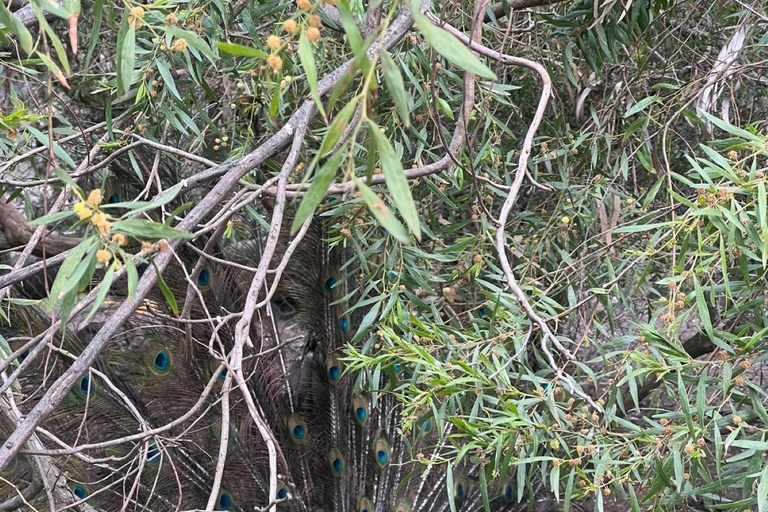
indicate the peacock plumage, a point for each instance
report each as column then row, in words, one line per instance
column 142, row 430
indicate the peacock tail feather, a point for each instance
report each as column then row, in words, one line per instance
column 146, row 420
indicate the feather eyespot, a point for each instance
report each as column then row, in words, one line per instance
column 403, row 507
column 297, row 428
column 330, row 283
column 460, row 487
column 225, row 501
column 337, row 463
column 365, row 505
column 204, row 277
column 344, row 323
column 360, row 409
column 333, row 368
column 79, row 492
column 508, row 493
column 381, row 452
column 112, row 199
column 162, row 361
column 282, row 491
column 86, row 386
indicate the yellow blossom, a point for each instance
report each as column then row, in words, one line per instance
column 119, row 239
column 179, row 45
column 171, row 19
column 103, row 256
column 273, row 42
column 137, row 14
column 304, row 4
column 94, row 198
column 147, row 246
column 315, row 21
column 313, row 34
column 82, row 211
column 275, row 62
column 290, row 26
column 100, row 221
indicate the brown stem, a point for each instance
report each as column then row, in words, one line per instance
column 15, row 232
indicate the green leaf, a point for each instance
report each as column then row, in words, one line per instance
column 762, row 491
column 394, row 174
column 106, row 282
column 57, row 149
column 133, row 277
column 337, row 127
column 81, row 272
column 701, row 307
column 395, row 86
column 52, row 66
column 66, row 178
column 733, row 130
column 444, row 108
column 51, row 217
column 350, row 27
column 98, row 15
column 5, row 350
column 167, row 293
column 141, row 206
column 308, row 63
column 192, row 39
column 382, row 213
column 450, row 47
column 637, row 228
column 66, row 270
column 241, row 50
column 62, row 10
column 126, row 55
column 165, row 72
column 61, row 53
column 354, row 38
column 317, row 190
column 17, row 28
column 141, row 228
column 641, row 105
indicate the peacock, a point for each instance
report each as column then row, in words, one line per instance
column 142, row 430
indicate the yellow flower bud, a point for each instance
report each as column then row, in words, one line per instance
column 313, row 34
column 103, row 256
column 94, row 198
column 119, row 239
column 290, row 26
column 179, row 45
column 275, row 62
column 137, row 14
column 82, row 211
column 273, row 42
column 315, row 21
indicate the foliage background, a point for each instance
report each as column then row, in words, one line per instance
column 644, row 247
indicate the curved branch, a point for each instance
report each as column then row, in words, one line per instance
column 520, row 174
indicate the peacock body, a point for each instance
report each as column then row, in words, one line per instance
column 142, row 430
